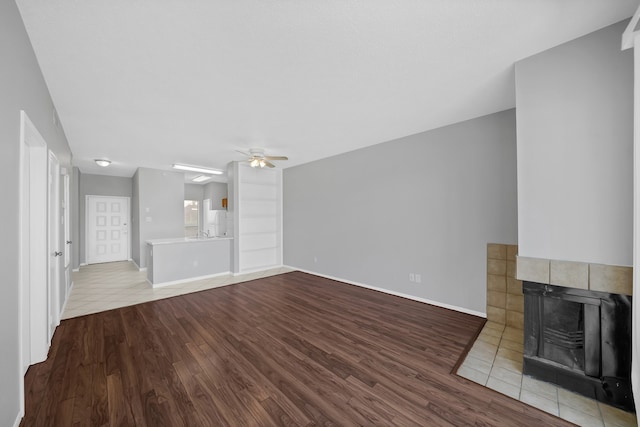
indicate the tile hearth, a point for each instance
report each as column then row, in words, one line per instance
column 495, row 361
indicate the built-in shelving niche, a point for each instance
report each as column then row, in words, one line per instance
column 259, row 216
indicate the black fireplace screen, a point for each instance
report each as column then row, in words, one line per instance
column 563, row 333
column 580, row 340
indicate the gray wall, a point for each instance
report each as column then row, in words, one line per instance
column 193, row 192
column 160, row 200
column 22, row 87
column 427, row 203
column 98, row 185
column 135, row 218
column 215, row 191
column 575, row 150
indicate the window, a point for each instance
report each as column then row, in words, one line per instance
column 191, row 215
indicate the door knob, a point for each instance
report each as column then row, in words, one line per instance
column 69, row 242
column 57, row 254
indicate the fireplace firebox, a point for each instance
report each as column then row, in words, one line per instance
column 580, row 340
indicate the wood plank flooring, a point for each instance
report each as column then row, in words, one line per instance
column 292, row 350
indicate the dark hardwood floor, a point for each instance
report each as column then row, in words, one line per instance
column 293, row 349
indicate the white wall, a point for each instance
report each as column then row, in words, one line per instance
column 22, row 87
column 574, row 108
column 427, row 203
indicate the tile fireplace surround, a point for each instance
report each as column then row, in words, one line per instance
column 496, row 358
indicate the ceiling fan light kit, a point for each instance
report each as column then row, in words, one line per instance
column 257, row 159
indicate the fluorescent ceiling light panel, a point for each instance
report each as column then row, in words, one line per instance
column 197, row 169
column 201, row 178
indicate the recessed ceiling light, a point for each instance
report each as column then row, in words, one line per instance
column 197, row 169
column 201, row 178
column 103, row 162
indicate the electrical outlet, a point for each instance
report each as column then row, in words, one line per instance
column 412, row 277
column 418, row 278
column 315, row 259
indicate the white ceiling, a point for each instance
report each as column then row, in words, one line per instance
column 153, row 82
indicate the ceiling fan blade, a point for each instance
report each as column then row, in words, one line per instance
column 276, row 157
column 269, row 164
column 243, row 153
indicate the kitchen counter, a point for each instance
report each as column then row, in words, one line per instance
column 153, row 242
column 182, row 259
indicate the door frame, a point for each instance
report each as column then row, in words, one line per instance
column 33, row 277
column 33, row 344
column 53, row 243
column 87, row 222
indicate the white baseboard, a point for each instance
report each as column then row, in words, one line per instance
column 190, row 279
column 16, row 423
column 257, row 270
column 137, row 266
column 398, row 294
column 75, row 270
column 66, row 300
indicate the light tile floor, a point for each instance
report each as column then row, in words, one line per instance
column 100, row 287
column 495, row 361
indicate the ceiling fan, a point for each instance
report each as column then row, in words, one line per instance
column 257, row 159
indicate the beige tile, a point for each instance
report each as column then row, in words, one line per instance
column 532, row 269
column 496, row 333
column 506, row 375
column 611, row 278
column 512, row 365
column 617, row 417
column 473, row 375
column 478, row 364
column 578, row 402
column 511, row 345
column 497, row 267
column 540, row 402
column 569, row 273
column 493, row 340
column 496, row 314
column 503, row 387
column 514, row 286
column 496, row 299
column 547, row 390
column 515, row 303
column 513, row 334
column 493, row 325
column 515, row 319
column 483, row 351
column 496, row 251
column 510, row 354
column 511, row 269
column 579, row 418
column 496, row 283
column 512, row 251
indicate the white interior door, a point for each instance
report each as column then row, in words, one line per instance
column 107, row 229
column 33, row 244
column 55, row 250
column 65, row 280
